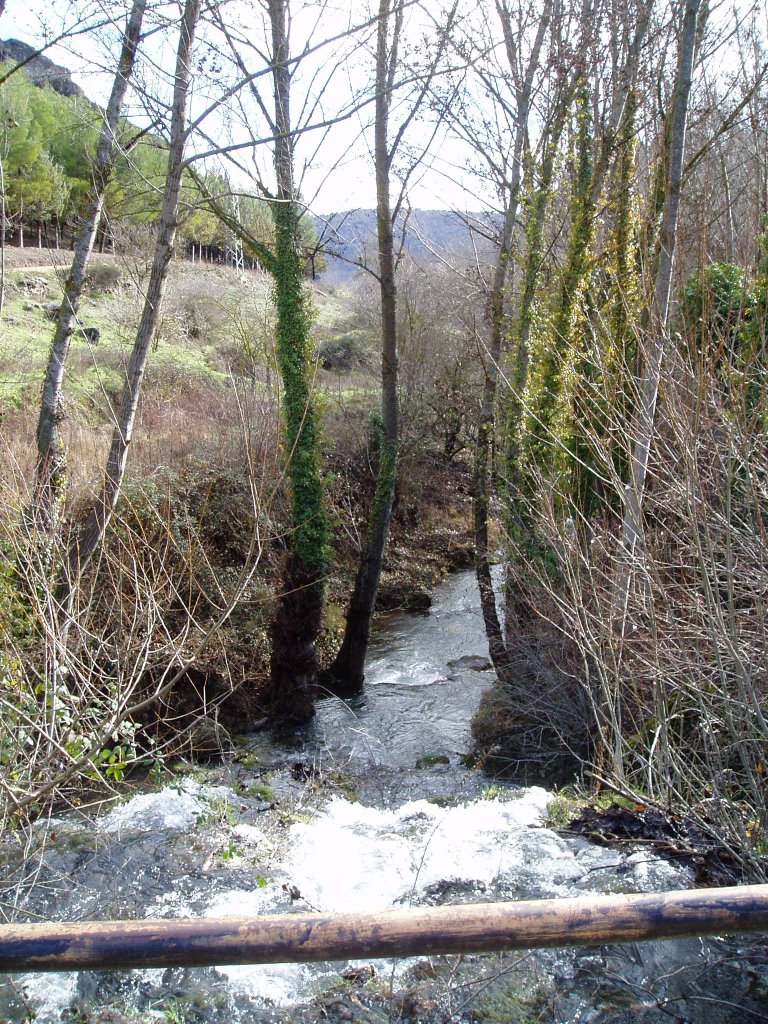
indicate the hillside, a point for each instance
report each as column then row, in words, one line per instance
column 38, row 68
column 350, row 238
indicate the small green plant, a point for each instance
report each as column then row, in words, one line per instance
column 158, row 770
column 248, row 761
column 346, row 785
column 560, row 810
column 111, row 762
column 429, row 760
column 219, row 812
column 295, row 818
column 492, row 792
column 231, row 851
column 443, row 801
column 173, row 1013
column 262, row 791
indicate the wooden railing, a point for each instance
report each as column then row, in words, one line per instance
column 301, row 938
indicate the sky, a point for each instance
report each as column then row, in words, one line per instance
column 336, row 167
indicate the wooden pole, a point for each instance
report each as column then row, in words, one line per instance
column 304, row 938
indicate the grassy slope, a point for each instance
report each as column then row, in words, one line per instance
column 211, row 390
column 214, row 340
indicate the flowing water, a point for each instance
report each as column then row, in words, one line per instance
column 372, row 809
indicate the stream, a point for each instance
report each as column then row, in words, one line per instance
column 372, row 808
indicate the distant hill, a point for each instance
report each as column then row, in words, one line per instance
column 39, row 69
column 349, row 238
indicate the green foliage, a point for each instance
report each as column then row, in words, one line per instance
column 112, row 762
column 717, row 300
column 70, row 127
column 48, row 143
column 430, row 760
column 535, row 204
column 262, row 791
column 724, row 313
column 230, row 851
column 559, row 366
column 35, row 185
column 301, row 429
column 613, row 409
column 251, row 212
column 492, row 792
column 219, row 812
column 104, row 277
column 134, row 192
column 14, row 611
column 343, row 352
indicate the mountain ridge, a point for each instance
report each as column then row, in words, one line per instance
column 38, row 68
column 349, row 239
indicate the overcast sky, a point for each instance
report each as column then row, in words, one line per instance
column 336, row 168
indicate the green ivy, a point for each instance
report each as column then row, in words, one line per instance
column 294, row 352
column 558, row 363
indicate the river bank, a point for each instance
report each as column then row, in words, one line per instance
column 372, row 807
column 226, row 690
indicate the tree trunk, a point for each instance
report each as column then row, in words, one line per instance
column 95, row 526
column 516, row 519
column 554, row 430
column 51, row 456
column 495, row 316
column 346, row 674
column 297, row 620
column 485, row 431
column 654, row 356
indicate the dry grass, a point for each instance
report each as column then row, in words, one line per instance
column 677, row 680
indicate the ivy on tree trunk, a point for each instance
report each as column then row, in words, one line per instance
column 297, row 620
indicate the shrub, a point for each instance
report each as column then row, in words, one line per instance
column 676, row 677
column 717, row 303
column 104, row 277
column 346, row 352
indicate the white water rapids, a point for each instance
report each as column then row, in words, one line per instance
column 211, row 846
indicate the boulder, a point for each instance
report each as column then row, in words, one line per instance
column 91, row 334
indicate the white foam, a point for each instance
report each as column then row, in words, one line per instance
column 50, row 994
column 173, row 808
column 353, row 856
column 244, row 902
column 274, row 984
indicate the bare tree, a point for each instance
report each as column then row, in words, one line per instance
column 346, row 673
column 90, row 536
column 642, row 440
column 51, row 456
column 510, row 87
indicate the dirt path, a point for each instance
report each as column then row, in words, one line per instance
column 30, row 258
